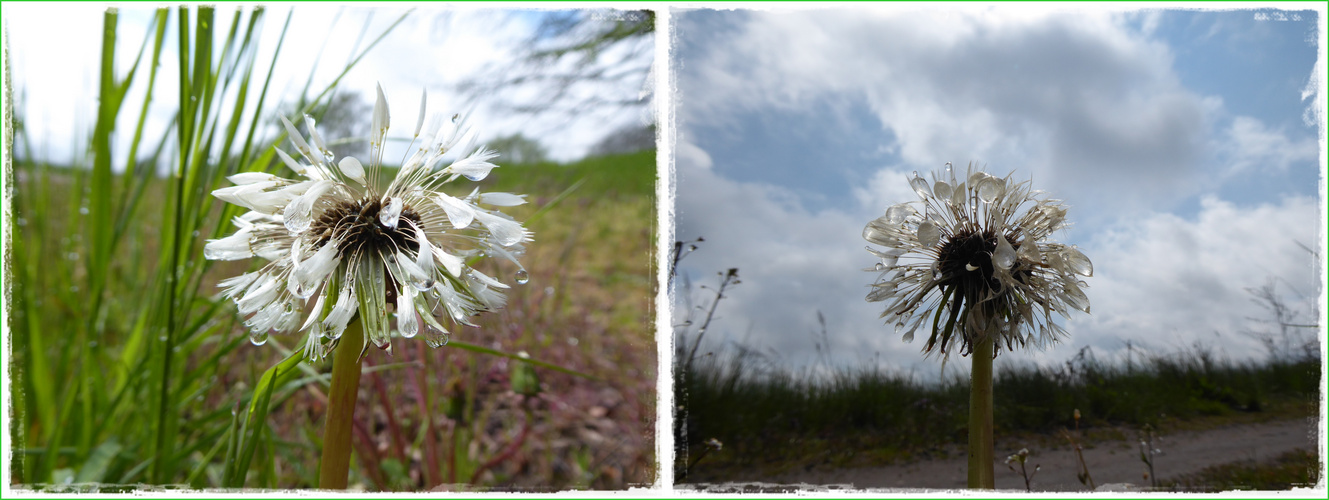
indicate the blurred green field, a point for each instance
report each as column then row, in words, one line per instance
column 426, row 416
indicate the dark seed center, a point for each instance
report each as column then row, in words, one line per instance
column 968, row 249
column 358, row 226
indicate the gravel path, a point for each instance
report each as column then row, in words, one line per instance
column 1113, row 465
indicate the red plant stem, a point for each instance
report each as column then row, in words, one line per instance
column 452, row 456
column 507, row 453
column 398, row 445
column 369, row 457
column 433, row 475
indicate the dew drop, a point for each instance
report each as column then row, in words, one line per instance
column 880, row 267
column 928, row 233
column 83, row 210
column 942, row 190
column 436, row 338
column 1004, row 255
column 1078, row 262
column 522, row 277
column 920, row 186
column 1073, row 297
column 897, row 213
column 991, row 188
column 391, row 213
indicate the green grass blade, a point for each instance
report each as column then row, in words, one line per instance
column 131, row 161
column 99, row 208
column 247, row 150
column 94, row 468
column 257, row 415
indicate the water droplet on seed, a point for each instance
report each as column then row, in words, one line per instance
column 522, row 277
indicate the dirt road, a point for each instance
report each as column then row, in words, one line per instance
column 1111, row 464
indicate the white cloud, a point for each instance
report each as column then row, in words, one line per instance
column 1253, row 146
column 792, row 264
column 1166, row 282
column 1075, row 99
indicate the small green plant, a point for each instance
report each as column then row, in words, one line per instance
column 1022, row 457
column 1082, row 469
column 1148, row 452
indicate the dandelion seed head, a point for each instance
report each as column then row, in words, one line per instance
column 355, row 248
column 972, row 258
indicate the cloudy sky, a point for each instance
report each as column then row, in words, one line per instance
column 54, row 51
column 1184, row 141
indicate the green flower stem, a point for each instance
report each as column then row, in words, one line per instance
column 335, row 467
column 980, row 417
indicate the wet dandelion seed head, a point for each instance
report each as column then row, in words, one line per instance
column 339, row 247
column 973, row 258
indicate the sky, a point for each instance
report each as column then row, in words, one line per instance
column 432, row 50
column 1185, row 142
